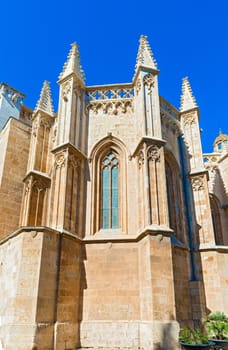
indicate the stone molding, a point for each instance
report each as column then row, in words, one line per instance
column 153, row 230
column 36, row 177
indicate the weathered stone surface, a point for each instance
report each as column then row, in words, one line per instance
column 90, row 261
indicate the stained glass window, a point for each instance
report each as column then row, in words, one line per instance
column 110, row 191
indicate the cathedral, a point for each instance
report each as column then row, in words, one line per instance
column 114, row 224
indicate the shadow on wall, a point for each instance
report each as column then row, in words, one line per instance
column 168, row 339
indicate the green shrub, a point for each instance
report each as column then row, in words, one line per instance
column 216, row 325
column 189, row 335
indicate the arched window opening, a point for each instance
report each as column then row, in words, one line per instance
column 216, row 220
column 170, row 197
column 110, row 191
column 175, row 201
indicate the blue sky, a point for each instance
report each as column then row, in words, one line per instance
column 188, row 38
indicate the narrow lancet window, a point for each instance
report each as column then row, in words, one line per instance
column 110, row 192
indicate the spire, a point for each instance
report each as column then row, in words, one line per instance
column 187, row 99
column 145, row 56
column 45, row 101
column 72, row 65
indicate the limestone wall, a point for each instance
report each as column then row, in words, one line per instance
column 182, row 274
column 127, row 295
column 3, row 145
column 215, row 278
column 20, row 266
column 16, row 155
column 121, row 126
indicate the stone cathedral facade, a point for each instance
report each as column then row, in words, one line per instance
column 114, row 225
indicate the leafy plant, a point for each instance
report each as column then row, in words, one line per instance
column 189, row 335
column 217, row 325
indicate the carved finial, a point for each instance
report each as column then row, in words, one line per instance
column 145, row 56
column 72, row 65
column 45, row 101
column 187, row 99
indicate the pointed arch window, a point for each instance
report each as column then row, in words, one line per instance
column 216, row 220
column 110, row 191
column 176, row 207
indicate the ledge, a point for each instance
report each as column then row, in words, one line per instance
column 32, row 229
column 39, row 175
column 151, row 140
column 101, row 236
column 211, row 247
column 71, row 147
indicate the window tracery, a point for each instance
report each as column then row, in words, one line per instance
column 110, row 191
column 108, row 186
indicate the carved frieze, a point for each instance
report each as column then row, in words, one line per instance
column 148, row 81
column 111, row 107
column 111, row 101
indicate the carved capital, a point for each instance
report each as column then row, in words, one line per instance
column 153, row 153
column 45, row 123
column 73, row 161
column 28, row 185
column 141, row 159
column 39, row 185
column 66, row 91
column 189, row 120
column 60, row 160
column 197, row 183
